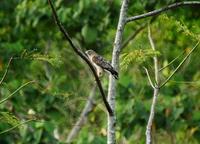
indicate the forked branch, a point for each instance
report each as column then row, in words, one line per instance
column 178, row 67
column 155, row 93
column 149, row 78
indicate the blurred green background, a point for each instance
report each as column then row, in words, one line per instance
column 63, row 81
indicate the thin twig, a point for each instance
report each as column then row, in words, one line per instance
column 155, row 59
column 155, row 93
column 186, row 82
column 5, row 99
column 4, row 75
column 82, row 55
column 171, row 62
column 5, row 131
column 181, row 63
column 156, row 12
column 149, row 78
column 136, row 32
column 132, row 36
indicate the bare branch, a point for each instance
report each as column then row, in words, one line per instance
column 151, row 117
column 82, row 55
column 132, row 36
column 181, row 63
column 149, row 78
column 83, row 117
column 150, row 38
column 156, row 12
column 4, row 75
column 5, row 99
column 155, row 57
column 155, row 89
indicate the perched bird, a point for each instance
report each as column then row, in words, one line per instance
column 101, row 64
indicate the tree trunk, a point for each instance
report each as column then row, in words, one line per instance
column 115, row 63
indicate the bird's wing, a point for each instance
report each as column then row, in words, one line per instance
column 100, row 61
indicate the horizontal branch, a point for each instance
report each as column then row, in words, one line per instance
column 156, row 12
column 82, row 55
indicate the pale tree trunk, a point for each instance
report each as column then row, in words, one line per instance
column 83, row 117
column 115, row 63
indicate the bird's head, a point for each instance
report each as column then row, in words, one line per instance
column 90, row 53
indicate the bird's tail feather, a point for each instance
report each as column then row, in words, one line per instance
column 115, row 74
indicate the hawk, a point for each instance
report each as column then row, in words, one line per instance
column 101, row 64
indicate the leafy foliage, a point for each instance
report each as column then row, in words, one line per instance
column 9, row 118
column 63, row 82
column 136, row 56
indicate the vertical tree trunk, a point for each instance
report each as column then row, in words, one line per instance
column 115, row 63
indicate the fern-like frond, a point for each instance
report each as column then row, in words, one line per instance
column 181, row 27
column 136, row 56
column 9, row 118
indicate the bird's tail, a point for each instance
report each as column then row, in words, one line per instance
column 114, row 73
